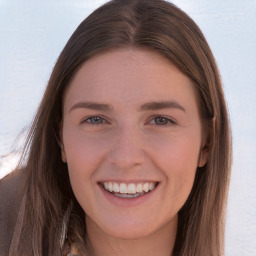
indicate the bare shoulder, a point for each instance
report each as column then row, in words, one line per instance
column 11, row 194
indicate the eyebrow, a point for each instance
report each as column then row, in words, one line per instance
column 91, row 105
column 147, row 106
column 161, row 105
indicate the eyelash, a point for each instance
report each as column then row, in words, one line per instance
column 91, row 117
column 169, row 121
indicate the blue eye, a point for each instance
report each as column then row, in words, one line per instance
column 161, row 120
column 96, row 120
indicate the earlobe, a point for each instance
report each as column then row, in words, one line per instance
column 203, row 157
column 207, row 145
column 63, row 155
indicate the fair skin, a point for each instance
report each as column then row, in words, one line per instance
column 131, row 122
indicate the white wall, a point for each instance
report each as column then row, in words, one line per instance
column 32, row 35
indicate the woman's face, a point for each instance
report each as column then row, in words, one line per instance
column 131, row 138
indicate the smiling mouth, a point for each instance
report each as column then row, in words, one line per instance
column 130, row 190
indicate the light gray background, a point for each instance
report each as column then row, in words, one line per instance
column 33, row 33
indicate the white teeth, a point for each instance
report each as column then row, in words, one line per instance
column 127, row 195
column 129, row 189
column 110, row 186
column 123, row 188
column 151, row 185
column 116, row 188
column 139, row 188
column 146, row 187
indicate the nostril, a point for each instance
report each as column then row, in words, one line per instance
column 126, row 159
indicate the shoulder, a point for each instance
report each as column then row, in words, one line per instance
column 11, row 189
column 11, row 193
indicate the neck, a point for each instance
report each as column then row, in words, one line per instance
column 161, row 241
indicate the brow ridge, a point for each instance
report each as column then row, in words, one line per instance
column 91, row 105
column 154, row 105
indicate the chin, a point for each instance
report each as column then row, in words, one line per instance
column 135, row 228
column 129, row 232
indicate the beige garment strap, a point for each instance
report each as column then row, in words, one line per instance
column 74, row 250
column 65, row 224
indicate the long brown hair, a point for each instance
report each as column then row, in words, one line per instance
column 154, row 24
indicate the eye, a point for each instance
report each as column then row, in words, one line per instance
column 95, row 120
column 161, row 120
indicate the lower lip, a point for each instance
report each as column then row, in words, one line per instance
column 124, row 201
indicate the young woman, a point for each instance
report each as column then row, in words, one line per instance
column 129, row 152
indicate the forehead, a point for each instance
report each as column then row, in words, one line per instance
column 129, row 76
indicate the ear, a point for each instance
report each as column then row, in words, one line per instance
column 206, row 144
column 203, row 156
column 63, row 153
column 204, row 150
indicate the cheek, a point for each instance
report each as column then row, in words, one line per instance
column 84, row 155
column 177, row 157
column 83, row 152
column 178, row 152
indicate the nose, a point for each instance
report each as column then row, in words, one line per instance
column 127, row 150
